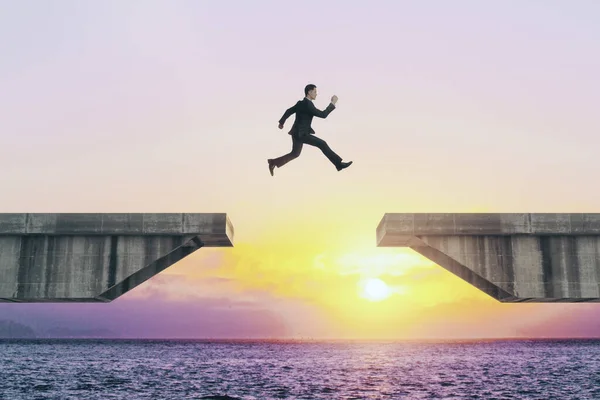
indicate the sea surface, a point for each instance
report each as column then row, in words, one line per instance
column 188, row 369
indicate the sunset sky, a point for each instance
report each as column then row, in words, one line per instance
column 156, row 106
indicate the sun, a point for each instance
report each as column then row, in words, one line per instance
column 374, row 289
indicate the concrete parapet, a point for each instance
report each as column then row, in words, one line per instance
column 512, row 257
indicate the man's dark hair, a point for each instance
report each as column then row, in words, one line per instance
column 308, row 88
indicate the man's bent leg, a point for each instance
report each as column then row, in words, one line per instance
column 324, row 147
column 296, row 150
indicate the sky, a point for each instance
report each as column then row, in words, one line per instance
column 157, row 106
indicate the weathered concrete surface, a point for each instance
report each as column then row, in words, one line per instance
column 97, row 257
column 512, row 257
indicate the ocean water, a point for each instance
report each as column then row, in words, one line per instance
column 175, row 369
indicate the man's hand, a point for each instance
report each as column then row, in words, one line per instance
column 280, row 126
column 334, row 99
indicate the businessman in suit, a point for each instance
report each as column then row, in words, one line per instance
column 301, row 131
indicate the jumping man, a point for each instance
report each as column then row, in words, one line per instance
column 301, row 131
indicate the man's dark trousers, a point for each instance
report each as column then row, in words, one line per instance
column 297, row 143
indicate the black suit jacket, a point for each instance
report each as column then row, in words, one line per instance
column 305, row 110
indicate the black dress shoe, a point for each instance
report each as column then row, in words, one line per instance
column 344, row 165
column 271, row 166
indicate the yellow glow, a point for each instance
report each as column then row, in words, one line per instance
column 375, row 289
column 331, row 279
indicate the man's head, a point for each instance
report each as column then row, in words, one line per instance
column 310, row 91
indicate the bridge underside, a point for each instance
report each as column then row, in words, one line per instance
column 511, row 257
column 96, row 257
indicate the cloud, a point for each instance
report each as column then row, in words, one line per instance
column 175, row 306
column 155, row 317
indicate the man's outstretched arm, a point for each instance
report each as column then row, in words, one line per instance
column 324, row 113
column 287, row 114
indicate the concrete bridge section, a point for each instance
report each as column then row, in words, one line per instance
column 96, row 257
column 511, row 257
